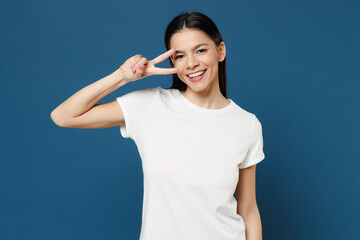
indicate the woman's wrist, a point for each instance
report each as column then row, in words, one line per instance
column 119, row 76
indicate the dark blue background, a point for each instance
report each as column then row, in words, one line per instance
column 295, row 64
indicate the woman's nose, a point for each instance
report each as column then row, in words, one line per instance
column 192, row 61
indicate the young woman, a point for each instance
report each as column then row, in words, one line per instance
column 197, row 147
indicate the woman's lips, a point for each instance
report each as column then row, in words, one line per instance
column 198, row 78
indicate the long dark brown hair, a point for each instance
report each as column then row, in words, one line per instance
column 199, row 21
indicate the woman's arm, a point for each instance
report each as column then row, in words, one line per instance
column 80, row 111
column 246, row 203
column 85, row 99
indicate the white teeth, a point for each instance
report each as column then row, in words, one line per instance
column 196, row 74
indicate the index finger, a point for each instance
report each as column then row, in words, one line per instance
column 163, row 56
column 165, row 71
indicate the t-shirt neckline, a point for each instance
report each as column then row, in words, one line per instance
column 201, row 109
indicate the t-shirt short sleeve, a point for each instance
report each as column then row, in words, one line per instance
column 255, row 153
column 135, row 107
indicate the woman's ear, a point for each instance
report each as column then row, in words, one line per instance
column 222, row 51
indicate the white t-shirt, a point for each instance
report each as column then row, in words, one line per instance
column 190, row 158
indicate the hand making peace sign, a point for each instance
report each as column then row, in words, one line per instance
column 138, row 67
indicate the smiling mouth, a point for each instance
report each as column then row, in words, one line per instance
column 198, row 75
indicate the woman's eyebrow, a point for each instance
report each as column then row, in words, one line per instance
column 178, row 51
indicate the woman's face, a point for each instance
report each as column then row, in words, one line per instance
column 196, row 52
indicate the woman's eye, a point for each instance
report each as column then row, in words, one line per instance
column 180, row 56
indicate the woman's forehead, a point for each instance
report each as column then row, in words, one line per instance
column 189, row 39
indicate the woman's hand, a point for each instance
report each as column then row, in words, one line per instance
column 138, row 67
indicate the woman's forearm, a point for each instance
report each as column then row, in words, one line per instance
column 252, row 220
column 87, row 97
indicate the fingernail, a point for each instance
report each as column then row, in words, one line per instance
column 142, row 67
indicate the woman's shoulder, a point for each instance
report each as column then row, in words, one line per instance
column 140, row 95
column 166, row 92
column 245, row 113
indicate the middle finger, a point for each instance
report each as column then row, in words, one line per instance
column 163, row 56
